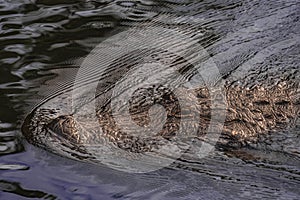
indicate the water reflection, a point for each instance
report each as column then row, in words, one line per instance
column 15, row 188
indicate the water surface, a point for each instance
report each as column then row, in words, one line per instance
column 38, row 37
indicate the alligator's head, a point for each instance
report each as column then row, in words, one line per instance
column 65, row 126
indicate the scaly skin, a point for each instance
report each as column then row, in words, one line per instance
column 251, row 112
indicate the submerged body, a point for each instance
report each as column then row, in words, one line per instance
column 261, row 92
column 251, row 114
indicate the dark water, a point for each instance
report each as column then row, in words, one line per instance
column 38, row 37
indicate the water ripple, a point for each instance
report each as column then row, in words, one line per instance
column 41, row 41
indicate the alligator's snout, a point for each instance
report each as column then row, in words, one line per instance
column 65, row 126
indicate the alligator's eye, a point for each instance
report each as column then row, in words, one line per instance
column 62, row 117
column 66, row 127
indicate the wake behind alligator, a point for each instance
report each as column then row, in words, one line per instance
column 260, row 97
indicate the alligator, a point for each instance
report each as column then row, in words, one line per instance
column 250, row 113
column 254, row 109
column 262, row 99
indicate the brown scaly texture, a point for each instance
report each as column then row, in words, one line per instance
column 260, row 109
column 250, row 113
